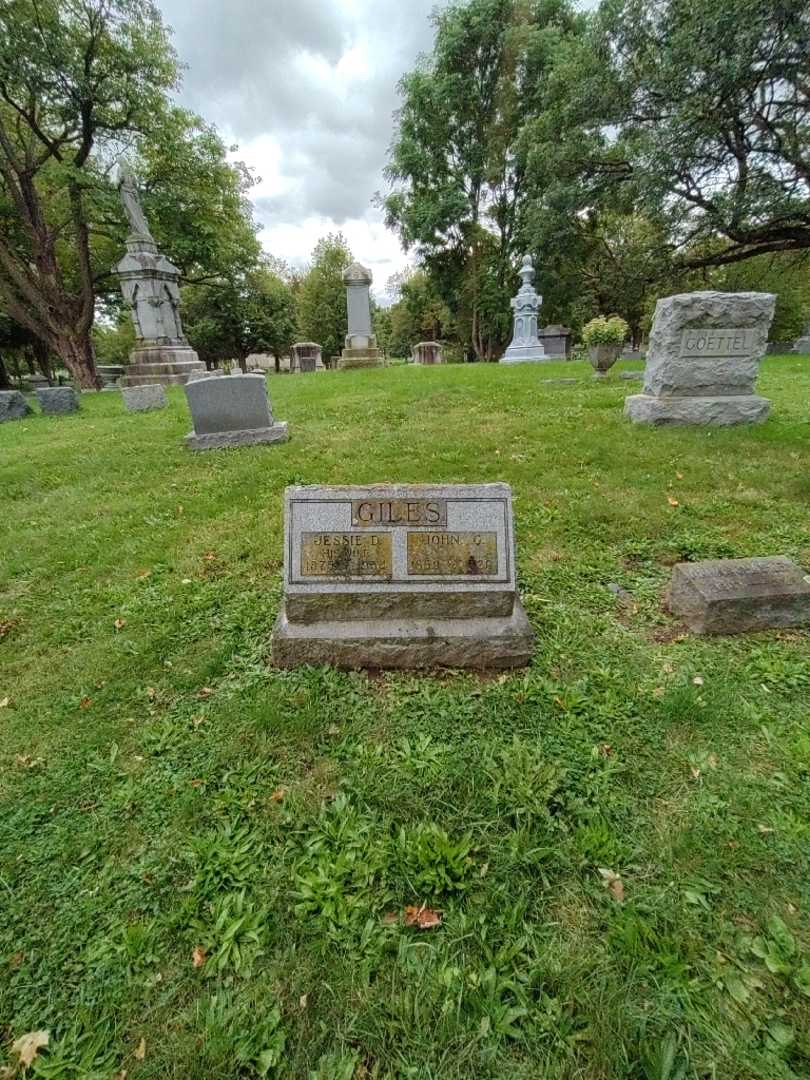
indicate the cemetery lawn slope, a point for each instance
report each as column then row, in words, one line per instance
column 207, row 867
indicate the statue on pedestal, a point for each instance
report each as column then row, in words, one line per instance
column 526, row 347
column 151, row 291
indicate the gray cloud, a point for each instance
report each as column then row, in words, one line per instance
column 263, row 67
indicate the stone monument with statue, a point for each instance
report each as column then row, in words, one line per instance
column 149, row 283
column 361, row 343
column 526, row 347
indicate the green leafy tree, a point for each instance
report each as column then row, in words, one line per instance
column 322, row 295
column 457, row 167
column 695, row 112
column 230, row 319
column 77, row 77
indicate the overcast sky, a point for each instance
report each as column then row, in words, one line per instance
column 307, row 89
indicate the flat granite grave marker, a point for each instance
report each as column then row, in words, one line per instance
column 401, row 576
column 703, row 360
column 231, row 411
column 730, row 596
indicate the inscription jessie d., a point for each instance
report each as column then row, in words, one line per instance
column 346, row 555
column 403, row 512
column 712, row 342
column 459, row 554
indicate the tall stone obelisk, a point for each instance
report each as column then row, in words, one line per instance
column 361, row 343
column 149, row 283
column 526, row 347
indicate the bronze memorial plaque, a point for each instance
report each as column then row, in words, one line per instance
column 346, row 555
column 370, row 512
column 453, row 554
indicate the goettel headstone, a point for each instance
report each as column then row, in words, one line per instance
column 401, row 576
column 703, row 360
column 729, row 596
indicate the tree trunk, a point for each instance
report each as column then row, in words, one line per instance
column 79, row 357
column 5, row 381
column 42, row 358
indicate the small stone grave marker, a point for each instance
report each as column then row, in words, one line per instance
column 57, row 400
column 13, row 406
column 144, row 398
column 401, row 576
column 730, row 596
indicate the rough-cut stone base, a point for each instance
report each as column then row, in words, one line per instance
column 213, row 373
column 361, row 358
column 478, row 643
column 732, row 596
column 144, row 398
column 702, row 411
column 168, row 365
column 13, row 406
column 221, row 439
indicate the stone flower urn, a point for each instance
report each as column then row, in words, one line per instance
column 603, row 357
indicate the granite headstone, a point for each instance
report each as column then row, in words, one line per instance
column 703, row 360
column 232, row 411
column 144, row 398
column 57, row 400
column 401, row 576
column 13, row 406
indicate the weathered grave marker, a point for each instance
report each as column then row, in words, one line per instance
column 730, row 596
column 401, row 576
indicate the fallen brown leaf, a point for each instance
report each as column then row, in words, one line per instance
column 85, row 703
column 28, row 1046
column 5, row 702
column 672, row 501
column 278, row 795
column 679, row 475
column 698, row 680
column 140, row 1052
column 302, row 1001
column 613, row 883
column 145, row 574
column 198, row 956
column 206, row 692
column 16, row 960
column 119, row 624
column 423, row 918
column 209, row 556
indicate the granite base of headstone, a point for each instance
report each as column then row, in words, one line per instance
column 231, row 412
column 144, row 398
column 13, row 406
column 427, row 352
column 401, row 576
column 57, row 400
column 703, row 360
column 731, row 596
column 556, row 341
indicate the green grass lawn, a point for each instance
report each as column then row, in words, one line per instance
column 204, row 862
